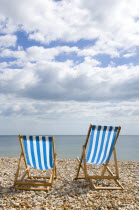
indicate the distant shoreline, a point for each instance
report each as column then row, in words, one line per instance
column 64, row 134
column 69, row 147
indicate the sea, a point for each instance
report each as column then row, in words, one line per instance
column 70, row 146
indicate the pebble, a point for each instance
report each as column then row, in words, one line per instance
column 67, row 193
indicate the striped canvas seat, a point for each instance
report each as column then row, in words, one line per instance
column 38, row 151
column 102, row 140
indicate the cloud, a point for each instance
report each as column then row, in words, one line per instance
column 130, row 54
column 35, row 53
column 6, row 24
column 7, row 41
column 63, row 81
column 70, row 117
column 40, row 53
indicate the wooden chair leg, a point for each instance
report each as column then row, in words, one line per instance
column 18, row 168
column 79, row 167
column 116, row 164
column 25, row 173
column 104, row 169
column 116, row 180
column 84, row 146
column 85, row 167
column 55, row 166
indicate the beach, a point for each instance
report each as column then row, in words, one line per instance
column 67, row 193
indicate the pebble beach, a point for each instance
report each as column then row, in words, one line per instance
column 68, row 193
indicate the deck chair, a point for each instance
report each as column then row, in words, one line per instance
column 102, row 145
column 37, row 152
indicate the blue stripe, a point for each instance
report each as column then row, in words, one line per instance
column 26, row 150
column 50, row 151
column 96, row 144
column 91, row 142
column 44, row 152
column 113, row 142
column 32, row 151
column 102, row 143
column 38, row 152
column 46, row 156
column 106, row 146
column 110, row 132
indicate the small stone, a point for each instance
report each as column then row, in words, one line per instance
column 1, row 180
column 26, row 204
column 16, row 204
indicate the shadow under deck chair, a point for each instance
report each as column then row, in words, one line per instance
column 37, row 152
column 102, row 145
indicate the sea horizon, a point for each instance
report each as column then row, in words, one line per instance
column 70, row 146
column 62, row 134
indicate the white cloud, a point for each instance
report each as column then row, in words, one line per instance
column 62, row 81
column 40, row 53
column 6, row 25
column 3, row 65
column 37, row 54
column 19, row 54
column 130, row 54
column 7, row 41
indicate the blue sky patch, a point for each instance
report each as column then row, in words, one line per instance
column 62, row 57
column 22, row 40
column 6, row 59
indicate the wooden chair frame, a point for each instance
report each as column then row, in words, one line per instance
column 34, row 184
column 83, row 165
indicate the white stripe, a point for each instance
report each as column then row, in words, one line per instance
column 99, row 143
column 109, row 145
column 29, row 151
column 104, row 145
column 41, row 152
column 47, row 153
column 93, row 146
column 35, row 152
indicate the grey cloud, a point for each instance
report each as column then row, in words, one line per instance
column 53, row 82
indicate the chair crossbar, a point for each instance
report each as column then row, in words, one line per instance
column 103, row 177
column 32, row 188
column 39, row 177
column 33, row 183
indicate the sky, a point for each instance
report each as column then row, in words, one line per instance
column 69, row 63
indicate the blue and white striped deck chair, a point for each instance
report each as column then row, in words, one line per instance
column 38, row 152
column 102, row 140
